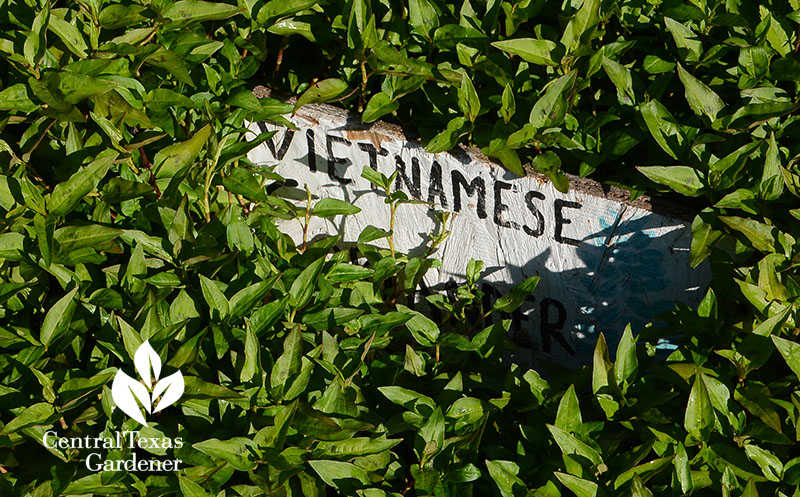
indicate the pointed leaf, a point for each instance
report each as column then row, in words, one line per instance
column 67, row 194
column 58, row 318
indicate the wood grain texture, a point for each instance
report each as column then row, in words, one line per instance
column 604, row 261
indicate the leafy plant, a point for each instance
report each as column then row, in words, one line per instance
column 131, row 215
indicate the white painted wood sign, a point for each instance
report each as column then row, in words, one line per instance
column 603, row 262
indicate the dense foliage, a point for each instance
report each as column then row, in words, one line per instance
column 130, row 213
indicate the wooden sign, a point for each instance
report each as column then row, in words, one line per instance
column 604, row 262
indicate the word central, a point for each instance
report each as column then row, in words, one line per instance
column 120, row 440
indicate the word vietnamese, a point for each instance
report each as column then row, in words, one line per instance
column 120, row 440
column 460, row 188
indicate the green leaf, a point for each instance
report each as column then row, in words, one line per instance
column 197, row 10
column 191, row 489
column 638, row 489
column 759, row 234
column 45, row 227
column 174, row 159
column 604, row 385
column 282, row 8
column 771, row 185
column 750, row 490
column 56, row 321
column 504, row 474
column 288, row 364
column 568, row 416
column 423, row 329
column 321, row 92
column 117, row 15
column 756, row 398
column 68, row 194
column 246, row 183
column 699, row 416
column 303, row 286
column 252, row 356
column 513, row 299
column 163, row 99
column 219, row 308
column 701, row 98
column 37, row 414
column 665, row 129
column 581, row 27
column 432, row 435
column 70, row 36
column 689, row 46
column 447, row 139
column 336, row 473
column 355, row 447
column 118, row 190
column 180, row 228
column 15, row 97
column 790, row 352
column 622, row 79
column 378, row 106
column 236, row 451
column 332, row 316
column 172, row 62
column 35, row 41
column 541, row 52
column 571, row 446
column 627, row 363
column 345, row 273
column 682, row 179
column 704, row 238
column 246, row 298
column 468, row 100
column 329, row 207
column 550, row 109
column 509, row 104
column 683, row 470
column 372, row 233
column 578, row 486
column 409, row 399
column 770, row 465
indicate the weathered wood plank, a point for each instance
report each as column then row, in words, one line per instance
column 603, row 261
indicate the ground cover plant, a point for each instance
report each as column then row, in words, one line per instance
column 130, row 214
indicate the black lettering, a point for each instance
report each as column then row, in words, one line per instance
column 539, row 217
column 551, row 329
column 312, row 150
column 280, row 153
column 413, row 184
column 500, row 207
column 490, row 294
column 561, row 221
column 435, row 188
column 373, row 153
column 333, row 160
column 476, row 186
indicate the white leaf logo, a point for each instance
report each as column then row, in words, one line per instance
column 129, row 394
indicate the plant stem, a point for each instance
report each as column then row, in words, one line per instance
column 307, row 218
column 393, row 210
